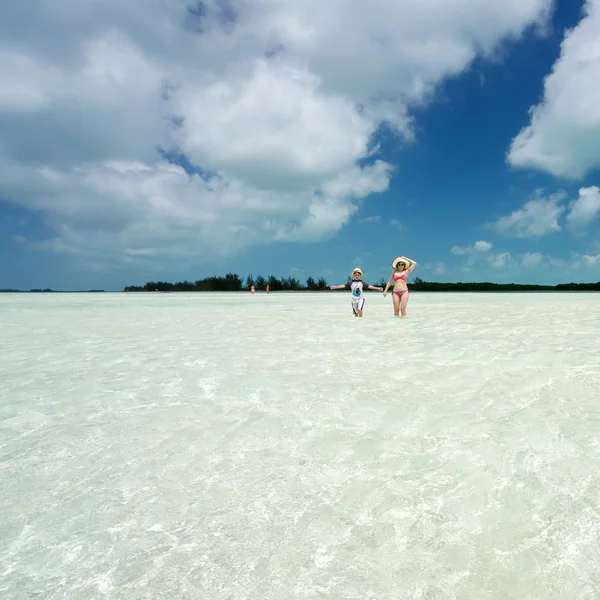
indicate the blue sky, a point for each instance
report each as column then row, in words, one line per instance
column 298, row 139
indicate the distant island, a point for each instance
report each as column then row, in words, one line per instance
column 47, row 291
column 232, row 282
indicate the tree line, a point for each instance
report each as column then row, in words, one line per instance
column 46, row 291
column 232, row 282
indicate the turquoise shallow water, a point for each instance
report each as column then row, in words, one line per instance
column 220, row 446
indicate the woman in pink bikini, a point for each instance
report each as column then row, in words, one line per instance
column 403, row 267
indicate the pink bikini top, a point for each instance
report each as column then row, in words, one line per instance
column 400, row 276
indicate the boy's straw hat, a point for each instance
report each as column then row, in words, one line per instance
column 357, row 270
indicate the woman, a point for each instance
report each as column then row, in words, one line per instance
column 403, row 267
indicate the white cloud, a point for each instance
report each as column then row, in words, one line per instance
column 395, row 223
column 438, row 268
column 483, row 246
column 132, row 210
column 481, row 262
column 591, row 261
column 530, row 260
column 576, row 261
column 358, row 182
column 479, row 246
column 561, row 263
column 277, row 101
column 459, row 251
column 371, row 220
column 274, row 124
column 563, row 136
column 479, row 255
column 585, row 209
column 536, row 218
column 500, row 261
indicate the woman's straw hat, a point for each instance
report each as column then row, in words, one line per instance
column 401, row 259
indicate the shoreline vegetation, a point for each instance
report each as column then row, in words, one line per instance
column 232, row 282
column 48, row 291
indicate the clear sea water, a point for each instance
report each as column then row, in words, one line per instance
column 229, row 447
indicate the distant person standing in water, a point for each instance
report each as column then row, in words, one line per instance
column 357, row 285
column 252, row 289
column 403, row 267
column 267, row 288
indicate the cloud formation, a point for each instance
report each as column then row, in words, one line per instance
column 591, row 260
column 536, row 218
column 479, row 254
column 527, row 261
column 584, row 210
column 531, row 260
column 543, row 215
column 276, row 104
column 563, row 135
column 479, row 246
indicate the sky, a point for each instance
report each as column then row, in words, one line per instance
column 172, row 140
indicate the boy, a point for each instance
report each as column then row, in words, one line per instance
column 357, row 286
